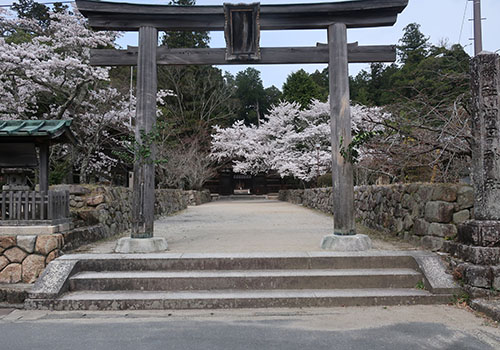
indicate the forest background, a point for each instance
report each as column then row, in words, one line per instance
column 414, row 123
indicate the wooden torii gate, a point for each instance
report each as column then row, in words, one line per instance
column 242, row 25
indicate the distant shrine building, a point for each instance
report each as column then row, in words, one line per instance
column 227, row 182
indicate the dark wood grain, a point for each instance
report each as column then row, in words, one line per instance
column 340, row 116
column 143, row 196
column 44, row 167
column 129, row 17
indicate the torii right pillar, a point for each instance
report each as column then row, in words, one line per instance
column 344, row 237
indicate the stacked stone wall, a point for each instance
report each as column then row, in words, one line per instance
column 315, row 198
column 198, row 197
column 23, row 257
column 111, row 207
column 98, row 212
column 427, row 214
column 476, row 266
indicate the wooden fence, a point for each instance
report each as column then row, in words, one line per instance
column 30, row 206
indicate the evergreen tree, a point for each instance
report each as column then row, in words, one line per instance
column 199, row 90
column 39, row 12
column 373, row 87
column 184, row 39
column 272, row 98
column 438, row 72
column 200, row 97
column 414, row 45
column 321, row 79
column 301, row 88
column 33, row 10
column 251, row 95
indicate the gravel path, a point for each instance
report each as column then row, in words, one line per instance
column 242, row 226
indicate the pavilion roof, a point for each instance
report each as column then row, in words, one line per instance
column 38, row 131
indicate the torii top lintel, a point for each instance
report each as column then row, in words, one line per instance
column 130, row 17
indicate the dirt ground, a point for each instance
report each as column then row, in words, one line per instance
column 247, row 226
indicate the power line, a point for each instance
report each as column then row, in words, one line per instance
column 463, row 21
column 43, row 3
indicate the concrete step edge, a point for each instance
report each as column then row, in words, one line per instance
column 260, row 263
column 235, row 299
column 258, row 294
column 246, row 255
column 84, row 275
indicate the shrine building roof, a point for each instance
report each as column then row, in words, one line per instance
column 37, row 131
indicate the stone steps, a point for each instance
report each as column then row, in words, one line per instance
column 244, row 280
column 242, row 261
column 185, row 281
column 136, row 300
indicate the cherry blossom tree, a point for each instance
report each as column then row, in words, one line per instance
column 45, row 74
column 292, row 141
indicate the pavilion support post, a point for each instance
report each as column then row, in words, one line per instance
column 143, row 197
column 344, row 236
column 144, row 179
column 44, row 167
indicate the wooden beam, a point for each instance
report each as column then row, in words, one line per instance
column 43, row 175
column 340, row 118
column 143, row 196
column 129, row 17
column 270, row 55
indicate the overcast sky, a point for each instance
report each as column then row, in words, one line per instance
column 441, row 20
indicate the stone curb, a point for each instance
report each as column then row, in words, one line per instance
column 13, row 295
column 54, row 280
column 434, row 270
column 490, row 307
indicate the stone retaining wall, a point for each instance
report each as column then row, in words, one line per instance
column 23, row 257
column 98, row 212
column 198, row 197
column 111, row 207
column 424, row 213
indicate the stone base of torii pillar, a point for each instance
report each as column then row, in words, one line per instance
column 349, row 243
column 141, row 245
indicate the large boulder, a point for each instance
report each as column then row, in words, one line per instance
column 439, row 211
column 33, row 266
column 11, row 274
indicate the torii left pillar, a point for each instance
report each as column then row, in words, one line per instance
column 143, row 197
column 344, row 237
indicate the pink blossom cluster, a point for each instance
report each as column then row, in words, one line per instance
column 291, row 141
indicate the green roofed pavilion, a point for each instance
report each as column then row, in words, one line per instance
column 37, row 131
column 18, row 139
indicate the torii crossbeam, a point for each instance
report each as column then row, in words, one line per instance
column 336, row 17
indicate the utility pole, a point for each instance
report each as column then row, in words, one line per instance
column 478, row 36
column 131, row 91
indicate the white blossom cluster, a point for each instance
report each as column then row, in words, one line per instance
column 292, row 142
column 48, row 76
